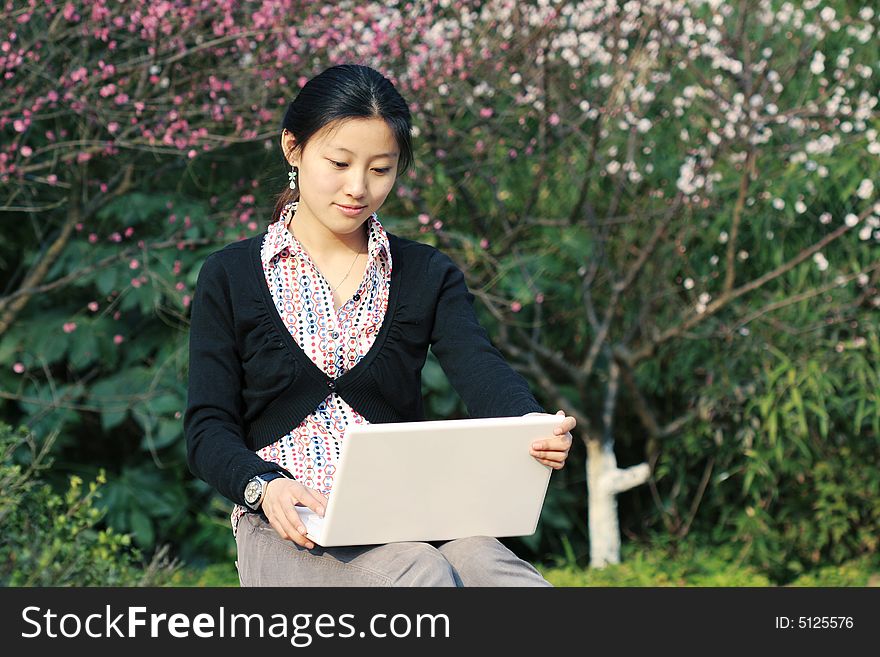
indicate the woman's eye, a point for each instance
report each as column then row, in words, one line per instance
column 338, row 164
column 383, row 171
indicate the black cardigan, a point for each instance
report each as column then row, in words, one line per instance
column 250, row 383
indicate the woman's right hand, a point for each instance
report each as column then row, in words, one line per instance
column 281, row 496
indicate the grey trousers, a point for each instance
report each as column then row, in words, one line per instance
column 265, row 559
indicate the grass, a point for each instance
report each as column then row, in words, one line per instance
column 641, row 567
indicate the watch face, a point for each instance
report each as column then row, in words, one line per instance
column 252, row 492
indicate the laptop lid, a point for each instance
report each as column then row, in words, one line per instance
column 435, row 480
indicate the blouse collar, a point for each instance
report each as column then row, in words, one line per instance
column 278, row 239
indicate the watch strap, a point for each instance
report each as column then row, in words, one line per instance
column 264, row 479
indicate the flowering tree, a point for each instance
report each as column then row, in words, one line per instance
column 658, row 203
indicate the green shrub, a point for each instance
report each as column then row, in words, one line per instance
column 53, row 539
column 218, row 574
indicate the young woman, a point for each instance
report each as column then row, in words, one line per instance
column 323, row 322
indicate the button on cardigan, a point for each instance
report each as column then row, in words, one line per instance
column 250, row 383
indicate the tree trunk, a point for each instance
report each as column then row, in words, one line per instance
column 604, row 481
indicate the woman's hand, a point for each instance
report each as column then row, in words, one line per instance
column 281, row 496
column 553, row 451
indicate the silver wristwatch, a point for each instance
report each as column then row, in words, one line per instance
column 256, row 488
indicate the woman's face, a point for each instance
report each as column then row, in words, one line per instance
column 349, row 163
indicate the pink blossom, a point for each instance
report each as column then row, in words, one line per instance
column 424, row 219
column 129, row 231
column 516, row 306
column 554, row 119
column 186, row 300
column 26, row 151
column 484, row 243
column 135, row 282
column 52, row 179
column 93, row 238
column 18, row 368
column 117, row 315
column 93, row 306
column 179, row 286
column 438, row 225
column 134, row 264
column 79, row 227
column 486, row 112
column 69, row 327
column 118, row 339
column 113, row 127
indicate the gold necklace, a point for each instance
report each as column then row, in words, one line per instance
column 357, row 255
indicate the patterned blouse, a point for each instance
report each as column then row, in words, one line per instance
column 335, row 340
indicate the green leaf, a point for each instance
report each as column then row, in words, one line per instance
column 169, row 431
column 111, row 419
column 105, row 280
column 83, row 348
column 141, row 528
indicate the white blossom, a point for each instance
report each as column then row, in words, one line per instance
column 820, row 261
column 850, row 220
column 688, row 283
column 866, row 189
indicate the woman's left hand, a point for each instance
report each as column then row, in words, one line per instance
column 553, row 451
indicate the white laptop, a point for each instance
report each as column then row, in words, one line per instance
column 435, row 480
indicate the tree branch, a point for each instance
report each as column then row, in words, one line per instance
column 726, row 298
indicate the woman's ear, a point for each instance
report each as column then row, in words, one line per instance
column 288, row 147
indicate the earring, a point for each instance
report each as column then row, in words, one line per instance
column 292, row 175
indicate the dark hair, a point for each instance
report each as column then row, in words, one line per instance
column 346, row 91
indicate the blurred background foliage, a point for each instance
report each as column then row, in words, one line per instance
column 682, row 190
